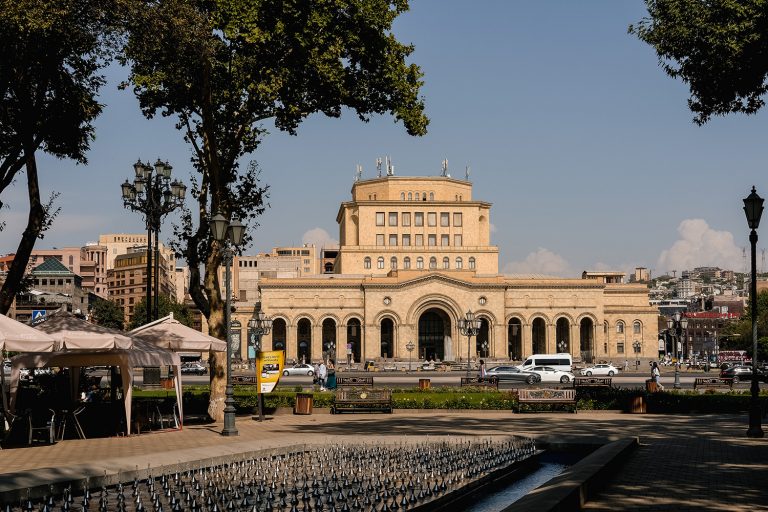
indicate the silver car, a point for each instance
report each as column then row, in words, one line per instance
column 299, row 369
column 512, row 374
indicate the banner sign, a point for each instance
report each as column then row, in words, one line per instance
column 269, row 367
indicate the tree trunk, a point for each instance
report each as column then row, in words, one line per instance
column 217, row 329
column 35, row 223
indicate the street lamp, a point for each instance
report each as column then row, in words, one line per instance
column 469, row 326
column 330, row 348
column 562, row 346
column 155, row 195
column 753, row 208
column 409, row 347
column 637, row 346
column 259, row 325
column 677, row 326
column 229, row 235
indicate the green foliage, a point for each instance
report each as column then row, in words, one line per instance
column 166, row 306
column 738, row 335
column 718, row 48
column 108, row 314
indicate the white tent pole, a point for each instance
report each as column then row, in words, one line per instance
column 126, row 372
column 177, row 384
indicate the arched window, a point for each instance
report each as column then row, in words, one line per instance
column 431, row 196
column 406, row 263
column 380, row 262
column 329, row 268
column 279, row 334
column 419, row 262
column 402, row 196
column 367, row 262
column 446, row 262
column 636, row 327
column 393, row 263
column 415, row 196
column 620, row 327
column 459, row 263
column 432, row 263
column 472, row 263
column 423, row 196
column 410, row 196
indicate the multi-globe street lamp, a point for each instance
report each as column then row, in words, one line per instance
column 562, row 346
column 229, row 235
column 409, row 347
column 484, row 348
column 330, row 350
column 753, row 208
column 677, row 326
column 637, row 346
column 155, row 195
column 469, row 326
column 259, row 325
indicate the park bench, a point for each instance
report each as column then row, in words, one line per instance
column 485, row 382
column 592, row 382
column 712, row 382
column 566, row 397
column 244, row 380
column 362, row 400
column 354, row 382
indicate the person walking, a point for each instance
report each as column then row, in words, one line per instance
column 322, row 374
column 482, row 369
column 656, row 376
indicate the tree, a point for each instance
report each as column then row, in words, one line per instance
column 50, row 53
column 223, row 68
column 166, row 306
column 108, row 314
column 738, row 335
column 718, row 48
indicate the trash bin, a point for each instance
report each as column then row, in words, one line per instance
column 424, row 383
column 651, row 386
column 303, row 403
column 637, row 404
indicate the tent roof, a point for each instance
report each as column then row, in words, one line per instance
column 73, row 333
column 18, row 337
column 172, row 334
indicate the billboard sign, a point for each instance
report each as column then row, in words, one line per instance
column 269, row 367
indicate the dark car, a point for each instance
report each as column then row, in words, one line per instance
column 193, row 369
column 513, row 373
column 740, row 373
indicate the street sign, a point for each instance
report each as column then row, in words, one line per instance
column 38, row 314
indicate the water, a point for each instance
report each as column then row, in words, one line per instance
column 551, row 466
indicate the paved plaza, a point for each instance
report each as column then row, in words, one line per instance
column 685, row 462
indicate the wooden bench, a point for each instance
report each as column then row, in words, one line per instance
column 362, row 400
column 712, row 382
column 485, row 382
column 244, row 380
column 354, row 382
column 592, row 382
column 565, row 397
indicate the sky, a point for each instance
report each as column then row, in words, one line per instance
column 585, row 148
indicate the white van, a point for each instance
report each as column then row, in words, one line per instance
column 562, row 362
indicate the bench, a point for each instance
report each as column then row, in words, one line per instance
column 485, row 382
column 354, row 382
column 362, row 400
column 547, row 396
column 712, row 382
column 592, row 382
column 244, row 380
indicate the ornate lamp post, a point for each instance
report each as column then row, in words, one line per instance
column 753, row 208
column 409, row 347
column 677, row 326
column 230, row 235
column 155, row 195
column 637, row 346
column 562, row 346
column 259, row 325
column 330, row 350
column 469, row 326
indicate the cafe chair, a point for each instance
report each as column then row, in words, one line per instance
column 42, row 423
column 167, row 415
column 71, row 418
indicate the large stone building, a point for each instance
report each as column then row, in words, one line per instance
column 415, row 254
column 128, row 283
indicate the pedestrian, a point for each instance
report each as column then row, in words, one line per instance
column 482, row 369
column 626, row 365
column 322, row 374
column 656, row 376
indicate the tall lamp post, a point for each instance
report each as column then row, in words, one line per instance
column 155, row 195
column 409, row 347
column 229, row 235
column 562, row 346
column 753, row 208
column 330, row 350
column 484, row 348
column 677, row 325
column 469, row 326
column 637, row 346
column 259, row 325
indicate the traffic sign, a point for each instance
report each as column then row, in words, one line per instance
column 38, row 314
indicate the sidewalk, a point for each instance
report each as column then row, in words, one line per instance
column 685, row 462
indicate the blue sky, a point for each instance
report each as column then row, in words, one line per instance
column 585, row 148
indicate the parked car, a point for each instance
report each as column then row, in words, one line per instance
column 299, row 369
column 600, row 369
column 193, row 368
column 739, row 373
column 513, row 373
column 549, row 374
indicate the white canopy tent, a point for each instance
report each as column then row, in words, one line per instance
column 85, row 344
column 171, row 334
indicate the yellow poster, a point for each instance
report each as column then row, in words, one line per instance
column 269, row 367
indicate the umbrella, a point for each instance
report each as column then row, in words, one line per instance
column 169, row 333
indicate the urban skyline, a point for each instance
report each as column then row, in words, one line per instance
column 585, row 148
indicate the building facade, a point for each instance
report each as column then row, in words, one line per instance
column 415, row 254
column 127, row 281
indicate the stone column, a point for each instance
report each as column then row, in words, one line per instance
column 291, row 351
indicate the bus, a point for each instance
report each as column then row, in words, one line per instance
column 562, row 362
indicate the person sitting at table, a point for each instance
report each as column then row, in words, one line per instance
column 93, row 394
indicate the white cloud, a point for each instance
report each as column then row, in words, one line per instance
column 541, row 261
column 319, row 238
column 700, row 246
